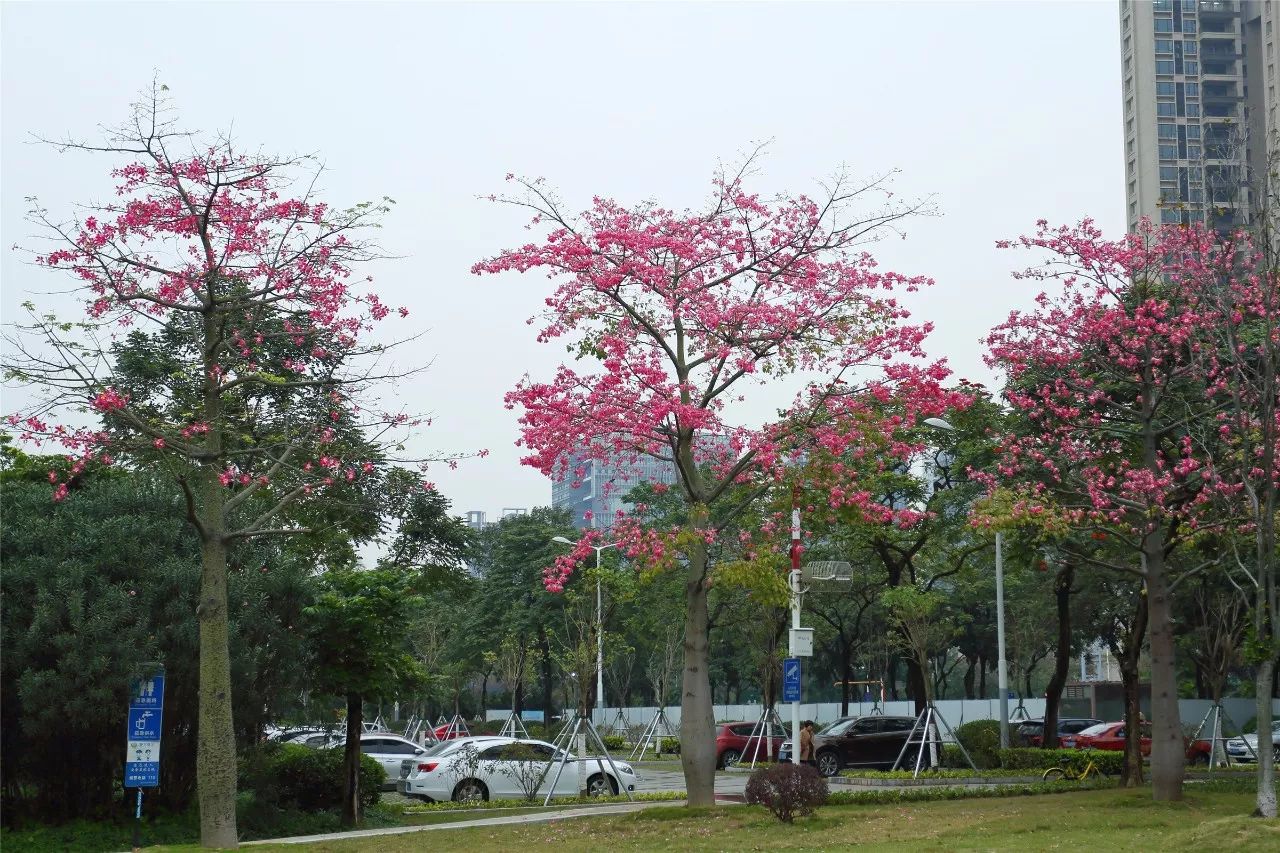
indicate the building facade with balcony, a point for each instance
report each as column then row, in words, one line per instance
column 1199, row 97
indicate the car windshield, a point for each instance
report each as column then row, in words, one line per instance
column 1096, row 730
column 839, row 727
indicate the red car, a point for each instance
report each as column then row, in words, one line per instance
column 1110, row 736
column 734, row 743
column 444, row 732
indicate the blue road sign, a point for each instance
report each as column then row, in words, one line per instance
column 142, row 732
column 147, row 692
column 791, row 680
column 144, row 723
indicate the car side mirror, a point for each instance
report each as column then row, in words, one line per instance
column 419, row 751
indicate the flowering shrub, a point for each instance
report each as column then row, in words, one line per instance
column 787, row 790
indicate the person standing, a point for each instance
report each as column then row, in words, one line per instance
column 806, row 743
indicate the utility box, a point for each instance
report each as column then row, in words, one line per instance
column 801, row 643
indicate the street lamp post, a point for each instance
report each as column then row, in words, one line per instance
column 1002, row 665
column 599, row 626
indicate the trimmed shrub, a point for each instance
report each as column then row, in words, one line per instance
column 1042, row 759
column 787, row 790
column 614, row 743
column 982, row 739
column 292, row 776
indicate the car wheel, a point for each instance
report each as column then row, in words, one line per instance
column 1200, row 758
column 470, row 790
column 828, row 763
column 596, row 786
column 729, row 757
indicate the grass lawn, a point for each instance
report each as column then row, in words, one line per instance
column 1092, row 820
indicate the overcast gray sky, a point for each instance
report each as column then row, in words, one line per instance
column 1008, row 112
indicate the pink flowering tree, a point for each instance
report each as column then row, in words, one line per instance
column 676, row 319
column 1123, row 440
column 1242, row 355
column 221, row 345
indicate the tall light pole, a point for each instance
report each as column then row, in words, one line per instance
column 599, row 625
column 1002, row 665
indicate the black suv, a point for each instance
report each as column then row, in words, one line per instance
column 873, row 741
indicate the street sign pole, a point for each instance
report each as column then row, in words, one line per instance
column 794, row 584
column 142, row 736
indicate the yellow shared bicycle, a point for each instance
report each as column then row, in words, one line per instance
column 1053, row 774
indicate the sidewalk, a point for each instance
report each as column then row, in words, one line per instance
column 541, row 817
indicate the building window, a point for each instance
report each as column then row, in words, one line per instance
column 1164, row 89
column 1168, row 152
column 1188, row 25
column 1197, row 196
column 1190, row 48
column 1193, row 152
column 1162, row 45
column 1193, row 131
column 1188, row 5
column 1164, row 25
column 1164, row 66
column 1169, row 215
column 1191, row 67
column 1163, row 5
column 1193, row 89
column 1164, row 108
column 1193, row 111
column 1168, row 173
column 1165, row 130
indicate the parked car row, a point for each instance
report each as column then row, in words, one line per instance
column 1031, row 732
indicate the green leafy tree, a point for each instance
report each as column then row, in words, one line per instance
column 356, row 628
column 93, row 586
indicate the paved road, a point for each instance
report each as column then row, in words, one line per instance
column 671, row 778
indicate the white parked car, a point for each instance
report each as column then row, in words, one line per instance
column 1239, row 752
column 391, row 751
column 503, row 768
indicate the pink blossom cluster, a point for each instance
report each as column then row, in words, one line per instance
column 676, row 316
column 1109, row 354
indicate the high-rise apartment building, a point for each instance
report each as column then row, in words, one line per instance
column 1199, row 90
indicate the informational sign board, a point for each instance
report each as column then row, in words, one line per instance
column 791, row 680
column 142, row 735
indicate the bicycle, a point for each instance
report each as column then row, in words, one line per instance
column 1053, row 774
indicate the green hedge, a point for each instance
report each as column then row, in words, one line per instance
column 1043, row 759
column 889, row 796
column 291, row 776
column 670, row 746
column 982, row 739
